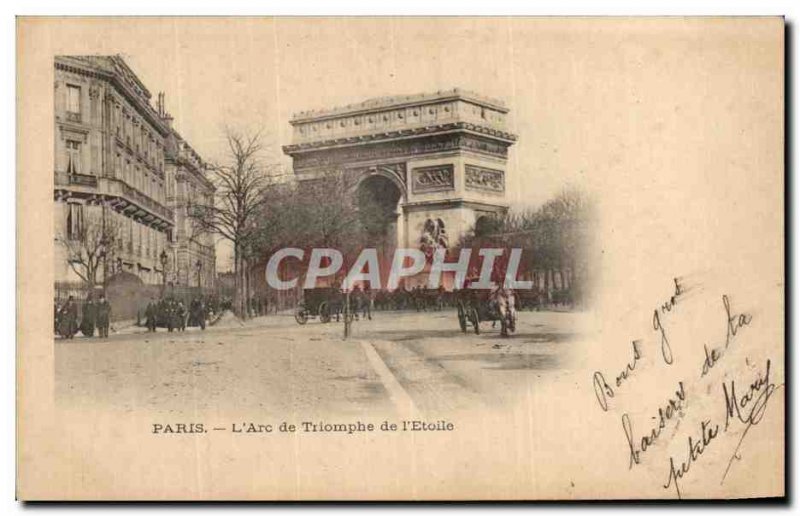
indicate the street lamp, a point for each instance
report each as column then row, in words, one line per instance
column 199, row 266
column 163, row 259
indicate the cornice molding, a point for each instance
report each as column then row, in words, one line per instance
column 386, row 136
column 396, row 102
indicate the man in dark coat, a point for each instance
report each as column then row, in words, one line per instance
column 180, row 316
column 89, row 316
column 150, row 313
column 169, row 314
column 69, row 318
column 198, row 313
column 103, row 316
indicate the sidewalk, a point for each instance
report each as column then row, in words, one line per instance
column 124, row 327
column 226, row 321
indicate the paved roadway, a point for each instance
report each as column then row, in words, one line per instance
column 398, row 363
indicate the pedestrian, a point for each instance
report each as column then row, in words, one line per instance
column 197, row 312
column 150, row 313
column 167, row 314
column 103, row 316
column 180, row 316
column 88, row 319
column 69, row 318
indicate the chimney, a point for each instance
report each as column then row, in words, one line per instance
column 162, row 110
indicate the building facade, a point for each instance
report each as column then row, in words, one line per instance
column 439, row 159
column 187, row 185
column 112, row 208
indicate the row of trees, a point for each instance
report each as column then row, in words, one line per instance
column 258, row 212
column 555, row 238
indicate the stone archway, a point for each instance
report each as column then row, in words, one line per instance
column 486, row 225
column 445, row 152
column 378, row 198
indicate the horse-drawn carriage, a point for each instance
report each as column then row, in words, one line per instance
column 477, row 306
column 325, row 303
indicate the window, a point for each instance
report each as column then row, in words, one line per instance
column 73, row 99
column 73, row 157
column 74, row 221
column 130, row 235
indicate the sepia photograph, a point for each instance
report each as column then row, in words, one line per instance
column 400, row 258
column 385, row 183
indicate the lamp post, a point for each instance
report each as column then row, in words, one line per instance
column 163, row 258
column 103, row 256
column 199, row 266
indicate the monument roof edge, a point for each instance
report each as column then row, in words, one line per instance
column 393, row 102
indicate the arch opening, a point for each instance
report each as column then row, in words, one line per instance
column 378, row 199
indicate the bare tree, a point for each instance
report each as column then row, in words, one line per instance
column 555, row 237
column 90, row 244
column 241, row 184
column 326, row 206
column 319, row 212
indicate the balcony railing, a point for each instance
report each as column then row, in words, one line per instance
column 116, row 188
column 82, row 179
column 73, row 117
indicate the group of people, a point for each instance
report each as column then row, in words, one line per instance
column 258, row 306
column 172, row 314
column 417, row 298
column 94, row 315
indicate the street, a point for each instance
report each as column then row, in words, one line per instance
column 401, row 363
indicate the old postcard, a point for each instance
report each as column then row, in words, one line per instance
column 400, row 258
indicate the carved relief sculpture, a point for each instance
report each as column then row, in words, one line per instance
column 432, row 179
column 480, row 178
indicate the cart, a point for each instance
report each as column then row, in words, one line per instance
column 325, row 303
column 474, row 307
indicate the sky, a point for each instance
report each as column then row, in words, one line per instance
column 589, row 101
column 254, row 74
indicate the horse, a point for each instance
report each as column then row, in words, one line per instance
column 503, row 301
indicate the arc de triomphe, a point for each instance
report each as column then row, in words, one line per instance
column 438, row 159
